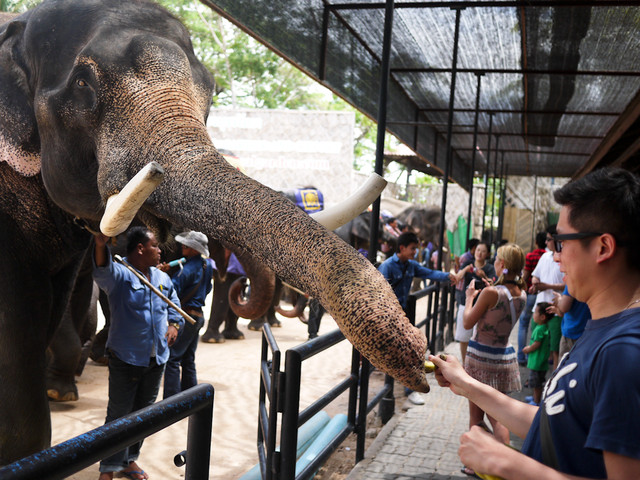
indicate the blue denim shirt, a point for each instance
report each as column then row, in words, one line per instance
column 400, row 275
column 139, row 318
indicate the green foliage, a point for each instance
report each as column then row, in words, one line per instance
column 17, row 6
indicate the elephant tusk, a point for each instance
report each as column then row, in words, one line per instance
column 123, row 206
column 343, row 213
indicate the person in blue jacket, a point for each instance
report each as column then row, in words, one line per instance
column 192, row 283
column 142, row 329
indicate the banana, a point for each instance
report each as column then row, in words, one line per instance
column 430, row 367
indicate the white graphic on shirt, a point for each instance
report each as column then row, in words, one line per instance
column 551, row 399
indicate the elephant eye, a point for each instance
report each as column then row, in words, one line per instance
column 81, row 82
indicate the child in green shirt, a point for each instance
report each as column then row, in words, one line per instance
column 539, row 351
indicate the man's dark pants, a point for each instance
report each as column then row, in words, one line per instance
column 131, row 388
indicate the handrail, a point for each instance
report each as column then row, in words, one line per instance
column 67, row 458
column 284, row 392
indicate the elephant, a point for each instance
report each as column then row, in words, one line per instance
column 423, row 220
column 69, row 348
column 356, row 233
column 97, row 95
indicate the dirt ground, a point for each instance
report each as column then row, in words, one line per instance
column 233, row 369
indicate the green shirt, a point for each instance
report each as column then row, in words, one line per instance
column 539, row 359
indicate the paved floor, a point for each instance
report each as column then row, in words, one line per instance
column 422, row 444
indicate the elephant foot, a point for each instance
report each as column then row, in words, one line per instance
column 256, row 325
column 56, row 396
column 233, row 335
column 212, row 338
column 61, row 390
column 275, row 323
column 104, row 361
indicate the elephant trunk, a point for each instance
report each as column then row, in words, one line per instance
column 209, row 195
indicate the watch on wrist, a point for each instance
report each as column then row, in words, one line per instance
column 175, row 325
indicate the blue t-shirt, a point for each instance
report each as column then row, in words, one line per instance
column 189, row 277
column 400, row 275
column 574, row 321
column 593, row 397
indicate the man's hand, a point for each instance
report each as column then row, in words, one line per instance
column 449, row 373
column 479, row 449
column 172, row 335
column 164, row 267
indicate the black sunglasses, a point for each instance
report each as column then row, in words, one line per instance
column 558, row 239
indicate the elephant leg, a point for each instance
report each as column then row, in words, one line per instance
column 256, row 324
column 99, row 344
column 219, row 308
column 271, row 318
column 64, row 355
column 231, row 330
column 32, row 308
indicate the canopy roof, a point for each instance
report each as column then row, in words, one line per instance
column 559, row 80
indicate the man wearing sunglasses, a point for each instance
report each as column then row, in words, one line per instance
column 587, row 424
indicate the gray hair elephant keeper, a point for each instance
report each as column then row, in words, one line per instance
column 192, row 283
column 142, row 329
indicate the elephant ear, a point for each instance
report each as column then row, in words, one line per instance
column 19, row 139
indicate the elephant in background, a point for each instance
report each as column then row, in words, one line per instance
column 92, row 92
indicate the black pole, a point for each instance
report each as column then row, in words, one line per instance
column 493, row 189
column 486, row 176
column 382, row 124
column 454, row 67
column 503, row 198
column 473, row 159
column 535, row 205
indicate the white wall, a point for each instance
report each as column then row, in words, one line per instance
column 290, row 148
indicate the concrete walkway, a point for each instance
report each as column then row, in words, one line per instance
column 422, row 444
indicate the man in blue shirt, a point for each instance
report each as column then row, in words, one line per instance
column 193, row 284
column 142, row 329
column 399, row 270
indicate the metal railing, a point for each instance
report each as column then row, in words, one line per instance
column 280, row 393
column 67, row 458
column 439, row 314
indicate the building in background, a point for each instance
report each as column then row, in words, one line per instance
column 284, row 149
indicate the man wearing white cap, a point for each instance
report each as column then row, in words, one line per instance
column 193, row 284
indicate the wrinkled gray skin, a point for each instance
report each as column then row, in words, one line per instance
column 425, row 222
column 356, row 232
column 69, row 348
column 91, row 92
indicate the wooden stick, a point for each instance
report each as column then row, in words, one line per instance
column 144, row 280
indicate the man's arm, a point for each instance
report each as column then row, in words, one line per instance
column 100, row 253
column 483, row 453
column 437, row 275
column 517, row 416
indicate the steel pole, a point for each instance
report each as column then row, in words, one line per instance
column 382, row 124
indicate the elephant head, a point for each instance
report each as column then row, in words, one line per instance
column 96, row 90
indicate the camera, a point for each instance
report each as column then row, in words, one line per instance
column 479, row 284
